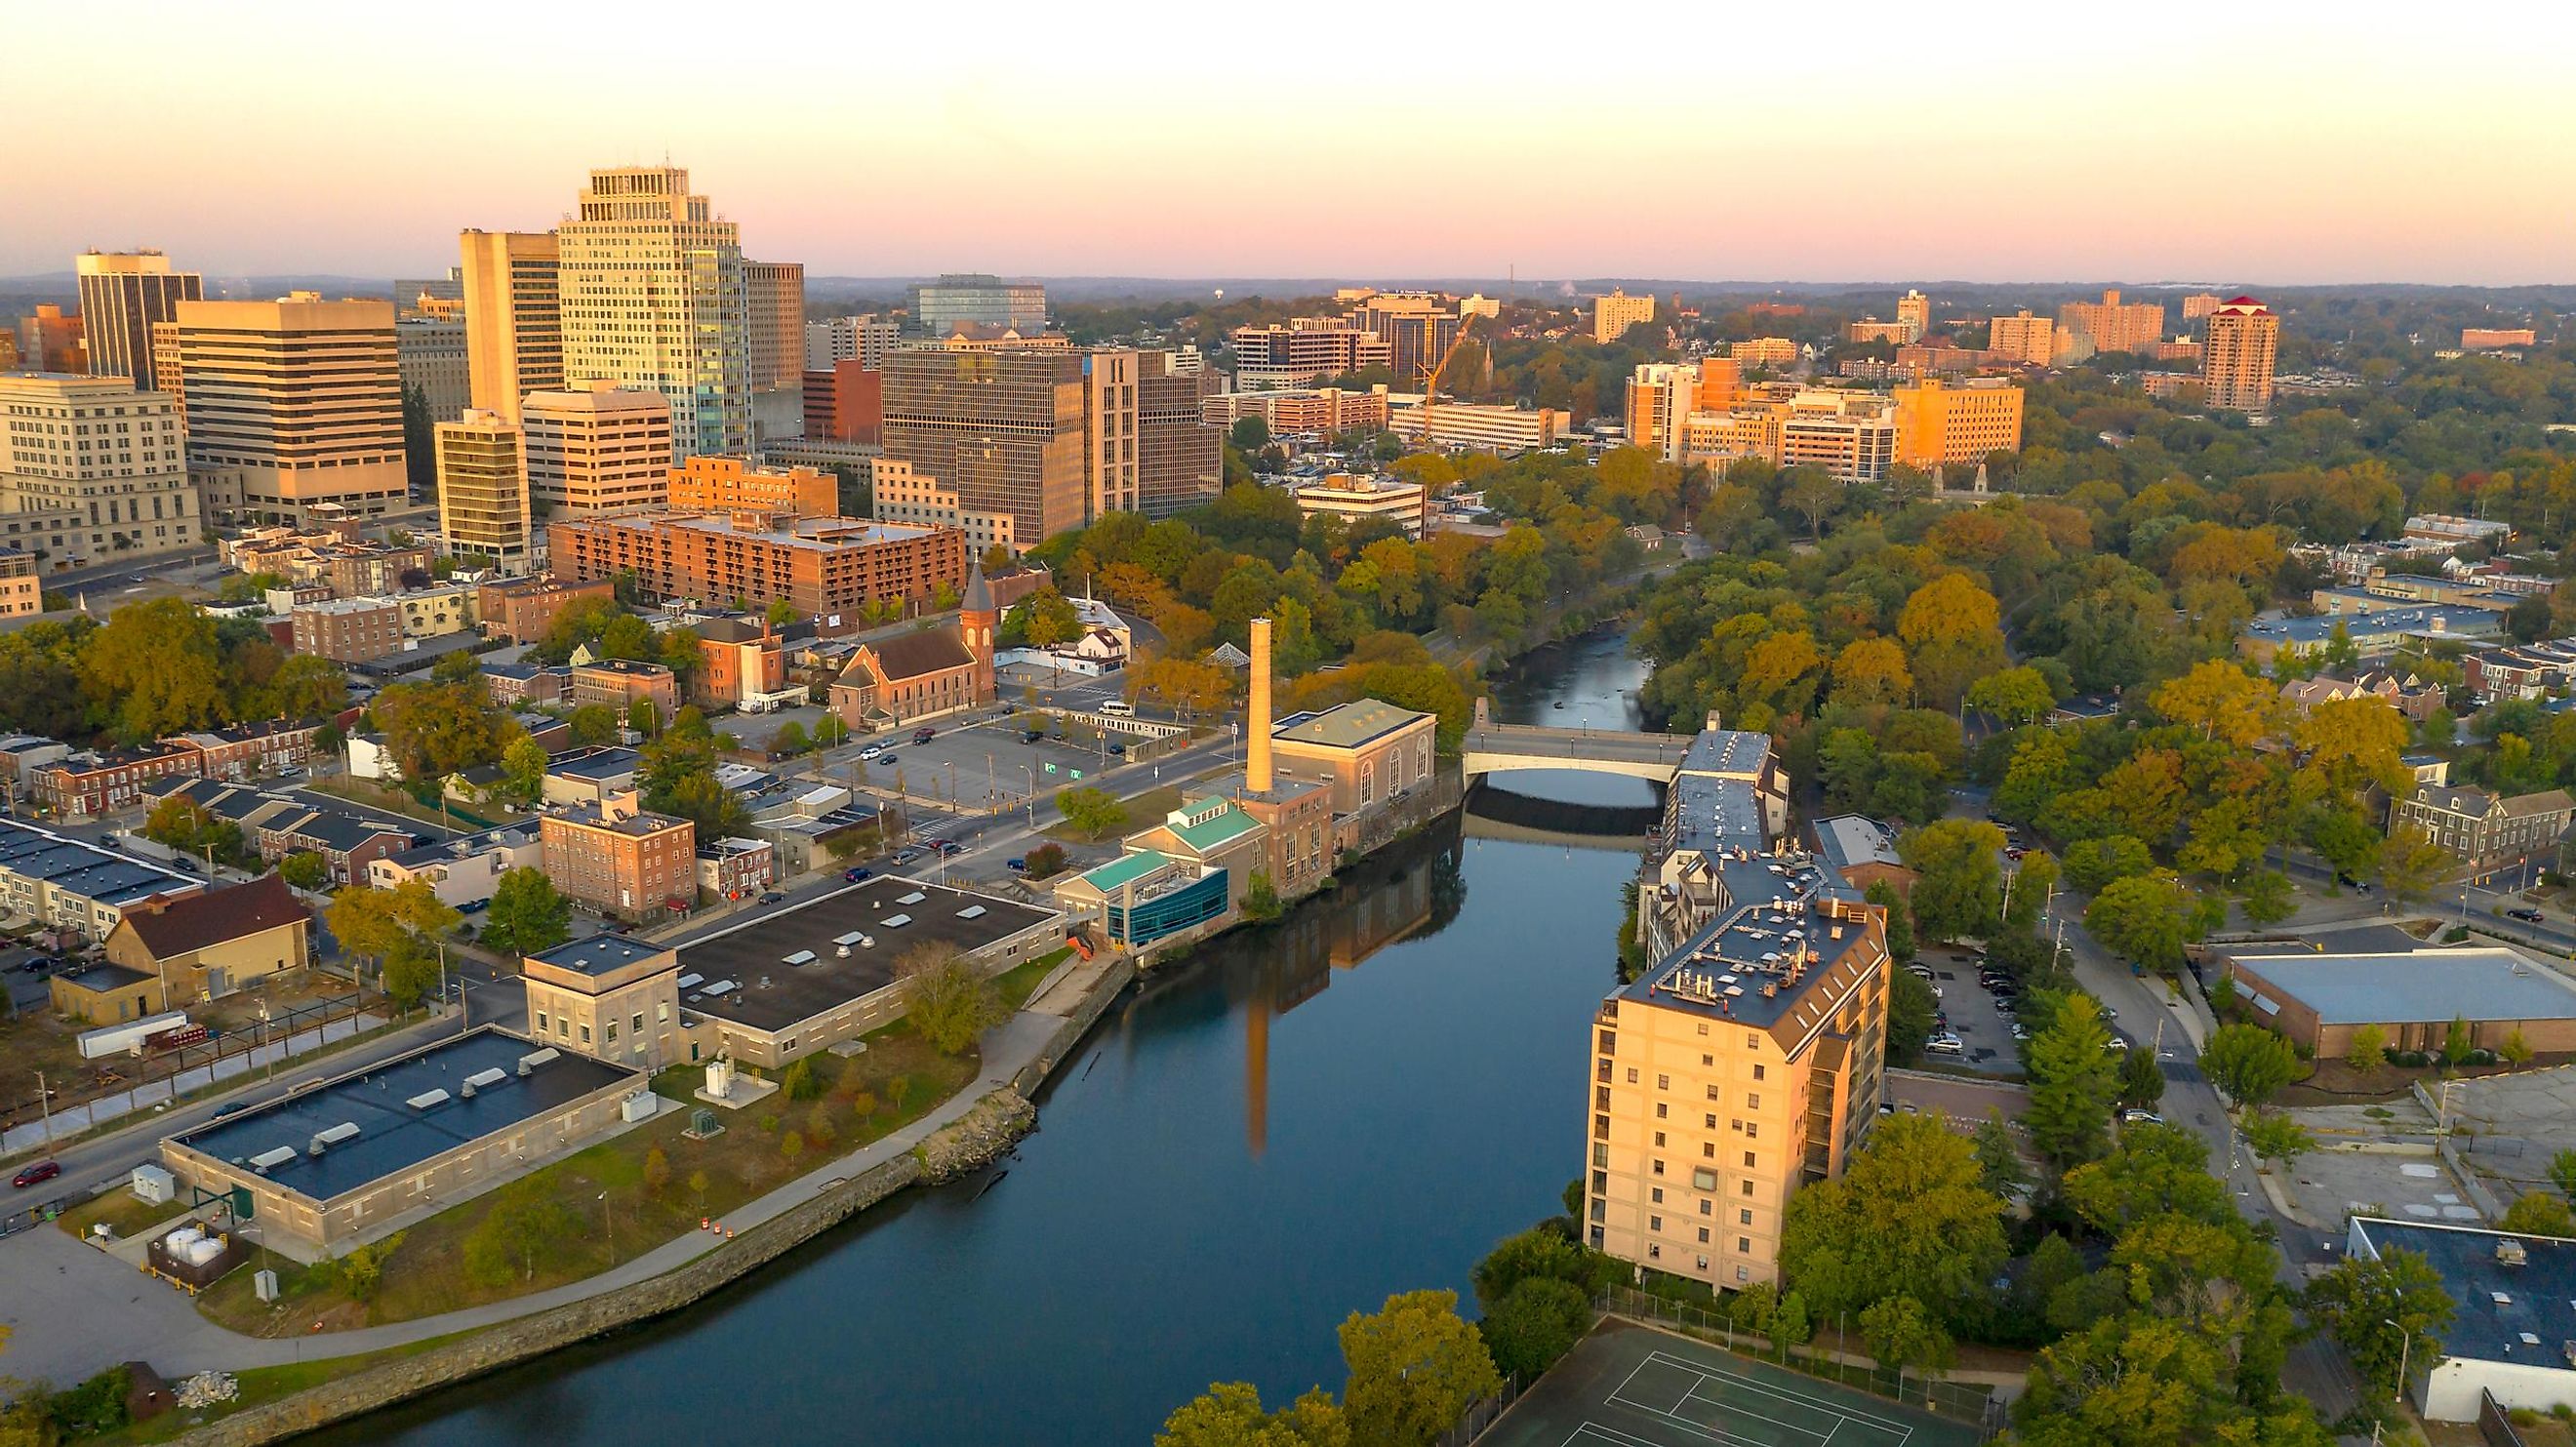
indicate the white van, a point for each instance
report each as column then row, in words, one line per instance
column 1117, row 707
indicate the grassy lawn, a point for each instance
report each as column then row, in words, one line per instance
column 124, row 1212
column 367, row 792
column 899, row 1078
column 261, row 1385
column 1022, row 980
column 1143, row 810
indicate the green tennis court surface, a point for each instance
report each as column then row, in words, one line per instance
column 1632, row 1386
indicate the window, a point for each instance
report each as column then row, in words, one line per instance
column 1748, row 1160
column 1743, row 1275
column 585, row 1034
column 1757, row 1072
column 1659, row 1138
column 1662, row 1110
column 1747, row 1187
column 1708, row 1122
column 1706, row 1209
column 1744, row 1243
column 1752, row 1102
column 1656, row 1195
column 1632, row 1075
column 1712, row 1092
column 1703, row 1240
column 1744, row 1218
column 637, row 1024
column 1654, row 1252
column 1663, row 1082
column 541, row 1022
column 1752, row 1128
column 1707, row 1061
column 1659, row 1166
column 1654, row 1223
column 1752, row 1042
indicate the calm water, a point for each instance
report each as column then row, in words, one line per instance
column 1300, row 1122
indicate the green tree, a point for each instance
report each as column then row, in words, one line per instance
column 2458, row 1043
column 2156, row 1170
column 2515, row 1050
column 1229, row 1414
column 2021, row 695
column 1092, row 811
column 946, row 999
column 2092, row 864
column 1901, row 1334
column 2381, row 1309
column 1911, row 1214
column 154, row 670
column 781, row 613
column 528, row 914
column 522, row 1229
column 657, row 1172
column 2071, row 1084
column 2277, row 1138
column 2562, row 1172
column 1791, row 1326
column 643, row 716
column 2142, row 1081
column 2148, row 918
column 2369, row 1049
column 1537, row 1322
column 1910, row 1007
column 1414, row 1368
column 2248, row 1064
column 523, row 769
column 1999, row 1165
column 790, row 739
column 438, row 729
column 830, row 732
column 1959, row 885
column 307, row 686
column 2536, row 1213
column 2265, row 896
column 305, row 869
column 593, row 725
column 1900, row 920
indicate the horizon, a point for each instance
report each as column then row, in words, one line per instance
column 2064, row 146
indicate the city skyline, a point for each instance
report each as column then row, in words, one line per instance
column 2063, row 146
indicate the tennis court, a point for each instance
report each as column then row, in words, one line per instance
column 1632, row 1386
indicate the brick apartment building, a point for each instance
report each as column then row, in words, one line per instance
column 347, row 843
column 2484, row 832
column 821, row 566
column 350, row 630
column 519, row 683
column 723, row 484
column 618, row 682
column 523, row 610
column 249, row 751
column 89, row 784
column 616, row 859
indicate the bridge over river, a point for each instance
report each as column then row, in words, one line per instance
column 1492, row 748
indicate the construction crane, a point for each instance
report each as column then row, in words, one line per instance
column 1431, row 376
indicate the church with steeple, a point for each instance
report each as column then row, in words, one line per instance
column 921, row 674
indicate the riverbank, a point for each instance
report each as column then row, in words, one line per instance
column 975, row 1128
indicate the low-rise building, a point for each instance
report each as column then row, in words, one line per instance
column 1145, row 896
column 1367, row 751
column 2508, row 1338
column 104, row 994
column 2318, row 1001
column 586, row 776
column 518, row 683
column 56, row 882
column 350, row 630
column 20, row 756
column 21, row 594
column 737, row 869
column 92, row 784
column 743, row 665
column 252, row 750
column 462, row 872
column 437, row 612
column 347, row 843
column 2487, row 833
column 1863, row 852
column 523, row 610
column 1483, row 426
column 619, row 682
column 205, row 946
column 729, row 484
column 2451, row 529
column 616, row 859
column 2496, row 674
column 610, row 996
column 2373, row 632
column 1359, row 497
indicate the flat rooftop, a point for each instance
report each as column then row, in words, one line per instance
column 2480, row 984
column 1771, row 937
column 598, row 954
column 1710, row 814
column 2537, row 1310
column 1728, row 753
column 771, row 994
column 1346, row 726
column 393, row 1135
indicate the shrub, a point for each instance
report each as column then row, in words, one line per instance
column 803, row 1080
column 2411, row 1059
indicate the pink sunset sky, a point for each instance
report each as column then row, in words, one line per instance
column 2009, row 141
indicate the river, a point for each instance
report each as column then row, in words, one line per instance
column 1291, row 1126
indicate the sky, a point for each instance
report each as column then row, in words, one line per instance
column 2275, row 141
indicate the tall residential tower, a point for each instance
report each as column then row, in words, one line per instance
column 2244, row 339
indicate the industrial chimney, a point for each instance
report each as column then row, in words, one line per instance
column 1256, row 763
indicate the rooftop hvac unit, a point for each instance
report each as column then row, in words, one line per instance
column 482, row 1079
column 692, row 980
column 340, row 1134
column 972, row 911
column 801, row 957
column 428, row 1100
column 895, row 921
column 2511, row 1252
column 529, row 1062
column 267, row 1161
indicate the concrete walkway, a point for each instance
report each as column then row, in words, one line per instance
column 77, row 1309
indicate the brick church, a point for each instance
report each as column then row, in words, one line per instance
column 909, row 676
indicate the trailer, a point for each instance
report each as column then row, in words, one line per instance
column 128, row 1038
column 175, row 1036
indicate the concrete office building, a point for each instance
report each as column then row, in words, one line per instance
column 2237, row 356
column 898, row 494
column 1003, row 429
column 1305, row 351
column 349, row 630
column 974, row 299
column 1417, row 327
column 1612, row 315
column 1941, row 425
column 291, row 404
column 1325, row 412
column 430, row 353
column 1355, row 497
column 844, row 402
column 439, row 298
column 654, row 296
column 121, row 295
column 774, row 298
column 513, row 318
column 1486, row 427
column 483, row 506
column 22, row 595
column 821, row 566
column 866, row 339
column 2111, row 325
column 1146, row 449
column 729, row 484
column 602, row 448
column 609, row 996
column 93, row 470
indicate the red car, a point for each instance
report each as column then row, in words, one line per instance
column 37, row 1174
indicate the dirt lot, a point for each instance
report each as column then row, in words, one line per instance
column 40, row 1040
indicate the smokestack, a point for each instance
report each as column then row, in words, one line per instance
column 1256, row 766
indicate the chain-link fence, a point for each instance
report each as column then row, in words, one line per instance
column 1965, row 1402
column 1481, row 1414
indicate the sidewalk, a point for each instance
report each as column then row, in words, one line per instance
column 78, row 1310
column 72, row 1120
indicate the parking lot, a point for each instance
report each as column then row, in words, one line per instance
column 989, row 759
column 1984, row 1033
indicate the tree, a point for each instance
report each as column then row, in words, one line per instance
column 1900, row 920
column 1045, row 861
column 1414, row 1368
column 2157, row 1170
column 1539, row 1321
column 1911, row 1214
column 830, row 732
column 2369, row 1049
column 781, row 613
column 2142, row 1081
column 1093, row 811
column 410, row 974
column 2562, row 1172
column 1791, row 1326
column 307, row 686
column 1999, row 1164
column 1540, row 1253
column 360, row 1273
column 593, row 725
column 790, row 739
column 304, row 869
column 2410, row 863
column 1229, row 1414
column 946, row 999
column 2021, row 695
column 2265, row 896
column 2092, row 864
column 154, row 670
column 1260, row 898
column 438, row 729
column 1958, row 891
column 2458, row 1043
column 522, row 1226
column 2223, row 702
column 528, row 914
column 2537, row 1213
column 657, row 1171
column 2278, row 1138
column 2381, row 1309
column 2248, row 1064
column 1901, row 1334
column 1910, row 1010
column 2147, row 917
column 643, row 716
column 523, row 769
column 2071, row 1083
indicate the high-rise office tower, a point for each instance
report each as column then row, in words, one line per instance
column 867, row 339
column 653, row 296
column 776, row 336
column 599, row 449
column 48, row 341
column 1417, row 327
column 483, row 489
column 2244, row 340
column 1002, row 429
column 1145, row 448
column 939, row 307
column 431, row 353
column 513, row 318
column 121, row 295
column 291, row 403
column 92, row 469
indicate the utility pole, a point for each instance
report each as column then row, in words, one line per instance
column 45, row 1106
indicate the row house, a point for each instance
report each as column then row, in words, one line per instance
column 253, row 750
column 2524, row 671
column 2410, row 696
column 737, row 868
column 92, row 784
column 20, row 756
column 518, row 683
column 348, row 845
column 66, row 884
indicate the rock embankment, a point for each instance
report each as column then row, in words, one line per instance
column 976, row 1139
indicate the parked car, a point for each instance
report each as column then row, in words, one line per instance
column 231, row 1107
column 1920, row 972
column 1118, row 751
column 855, row 875
column 906, row 855
column 2117, row 1045
column 37, row 1174
column 2528, row 916
column 773, row 897
column 1945, row 1045
column 1030, row 736
column 924, row 734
